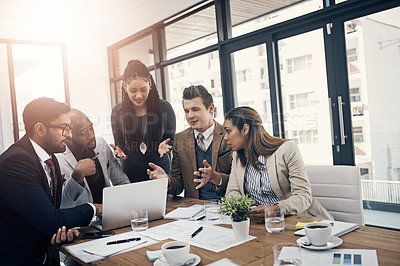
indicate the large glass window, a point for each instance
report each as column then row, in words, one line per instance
column 250, row 15
column 201, row 70
column 375, row 109
column 251, row 71
column 6, row 130
column 305, row 96
column 141, row 49
column 38, row 72
column 192, row 33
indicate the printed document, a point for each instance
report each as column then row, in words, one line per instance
column 214, row 238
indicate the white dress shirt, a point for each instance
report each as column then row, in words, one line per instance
column 208, row 135
column 43, row 156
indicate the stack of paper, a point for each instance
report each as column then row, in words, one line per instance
column 193, row 212
column 338, row 228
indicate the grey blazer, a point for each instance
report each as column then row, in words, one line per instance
column 289, row 181
column 74, row 194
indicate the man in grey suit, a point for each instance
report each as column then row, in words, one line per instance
column 201, row 161
column 88, row 164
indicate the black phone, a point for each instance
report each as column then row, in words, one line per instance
column 97, row 234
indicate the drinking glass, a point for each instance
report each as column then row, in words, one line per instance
column 211, row 209
column 139, row 220
column 287, row 254
column 274, row 220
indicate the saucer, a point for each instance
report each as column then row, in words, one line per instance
column 333, row 242
column 197, row 260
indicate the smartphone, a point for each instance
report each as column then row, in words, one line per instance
column 97, row 234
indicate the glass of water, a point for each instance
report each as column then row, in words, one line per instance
column 274, row 220
column 211, row 209
column 287, row 254
column 139, row 220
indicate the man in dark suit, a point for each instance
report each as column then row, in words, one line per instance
column 201, row 161
column 30, row 189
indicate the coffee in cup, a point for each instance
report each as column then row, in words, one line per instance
column 318, row 233
column 175, row 252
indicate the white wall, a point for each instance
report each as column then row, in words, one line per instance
column 87, row 27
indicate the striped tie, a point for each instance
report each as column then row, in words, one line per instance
column 200, row 142
column 50, row 164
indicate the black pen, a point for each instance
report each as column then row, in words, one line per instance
column 95, row 156
column 123, row 241
column 197, row 232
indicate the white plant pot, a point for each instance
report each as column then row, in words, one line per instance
column 241, row 229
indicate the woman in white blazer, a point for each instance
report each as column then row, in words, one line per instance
column 268, row 168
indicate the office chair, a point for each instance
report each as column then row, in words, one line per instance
column 338, row 189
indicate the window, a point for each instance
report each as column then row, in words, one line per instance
column 212, row 83
column 262, row 73
column 304, row 136
column 355, row 95
column 141, row 49
column 301, row 100
column 242, row 75
column 38, row 72
column 191, row 33
column 249, row 15
column 265, row 107
column 357, row 110
column 251, row 90
column 358, row 135
column 351, row 55
column 364, row 173
column 263, row 85
column 299, row 63
column 194, row 71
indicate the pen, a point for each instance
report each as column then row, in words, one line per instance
column 95, row 156
column 197, row 232
column 123, row 241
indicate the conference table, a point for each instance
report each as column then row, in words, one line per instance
column 259, row 250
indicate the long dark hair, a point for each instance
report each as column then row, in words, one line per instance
column 136, row 69
column 259, row 142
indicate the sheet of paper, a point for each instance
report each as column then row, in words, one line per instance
column 332, row 257
column 165, row 231
column 224, row 219
column 223, row 262
column 78, row 249
column 193, row 212
column 214, row 238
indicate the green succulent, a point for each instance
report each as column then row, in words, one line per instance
column 236, row 206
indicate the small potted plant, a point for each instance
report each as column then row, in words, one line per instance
column 237, row 207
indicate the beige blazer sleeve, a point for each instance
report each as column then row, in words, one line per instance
column 236, row 178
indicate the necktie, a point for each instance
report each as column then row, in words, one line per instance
column 50, row 163
column 200, row 142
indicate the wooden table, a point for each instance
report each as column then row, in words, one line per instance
column 259, row 251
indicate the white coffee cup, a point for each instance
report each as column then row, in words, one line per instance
column 175, row 252
column 318, row 233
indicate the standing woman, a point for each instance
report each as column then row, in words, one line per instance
column 268, row 168
column 143, row 124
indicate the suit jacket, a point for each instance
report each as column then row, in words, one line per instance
column 184, row 162
column 289, row 181
column 74, row 194
column 28, row 218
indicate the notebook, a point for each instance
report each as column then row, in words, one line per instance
column 193, row 212
column 338, row 228
column 119, row 201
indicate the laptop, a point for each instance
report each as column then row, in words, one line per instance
column 119, row 201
